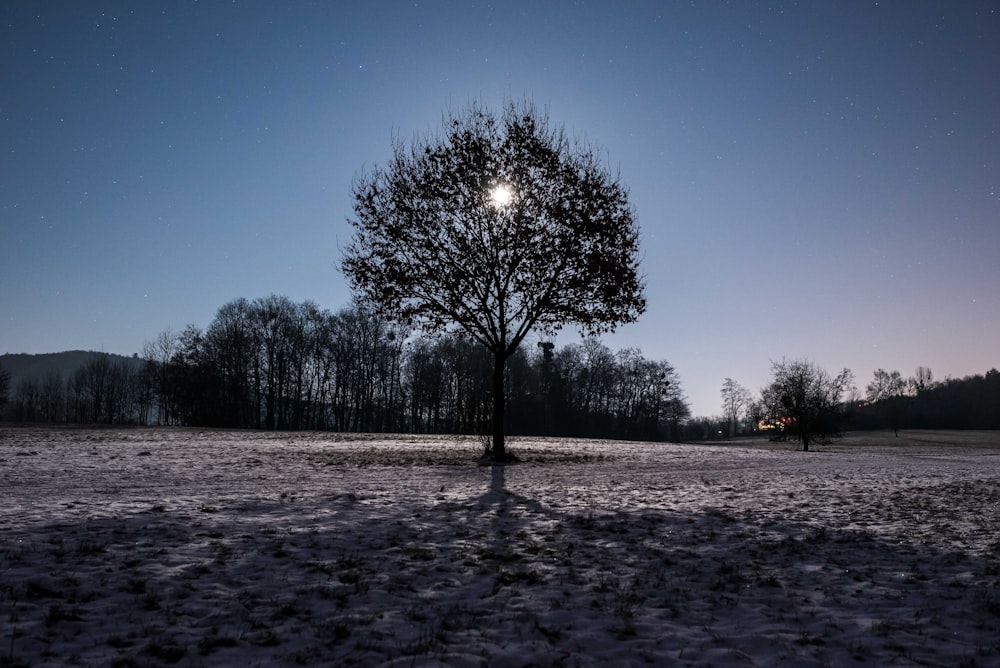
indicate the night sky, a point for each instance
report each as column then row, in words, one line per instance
column 813, row 180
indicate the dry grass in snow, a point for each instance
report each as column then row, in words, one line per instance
column 157, row 547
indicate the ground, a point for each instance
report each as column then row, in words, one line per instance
column 202, row 548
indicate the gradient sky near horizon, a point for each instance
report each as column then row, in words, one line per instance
column 813, row 179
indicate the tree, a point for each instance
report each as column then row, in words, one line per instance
column 499, row 225
column 804, row 399
column 735, row 402
column 52, row 397
column 195, row 382
column 922, row 380
column 158, row 354
column 4, row 388
column 886, row 390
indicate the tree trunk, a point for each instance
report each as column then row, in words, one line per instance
column 499, row 450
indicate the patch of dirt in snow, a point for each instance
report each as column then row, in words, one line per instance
column 186, row 547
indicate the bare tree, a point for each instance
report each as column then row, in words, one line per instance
column 804, row 399
column 499, row 225
column 646, row 396
column 922, row 380
column 4, row 389
column 735, row 402
column 158, row 354
column 26, row 404
column 885, row 391
column 52, row 397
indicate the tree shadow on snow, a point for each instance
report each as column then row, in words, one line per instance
column 339, row 578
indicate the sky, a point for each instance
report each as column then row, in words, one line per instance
column 812, row 179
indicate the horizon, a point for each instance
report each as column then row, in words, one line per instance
column 815, row 182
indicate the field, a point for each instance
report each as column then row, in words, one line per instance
column 201, row 548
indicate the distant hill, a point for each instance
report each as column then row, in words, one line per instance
column 23, row 366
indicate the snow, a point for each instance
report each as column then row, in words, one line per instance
column 174, row 546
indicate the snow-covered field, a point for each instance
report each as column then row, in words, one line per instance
column 152, row 547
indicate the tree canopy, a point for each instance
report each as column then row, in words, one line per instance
column 498, row 225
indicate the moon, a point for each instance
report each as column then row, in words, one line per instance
column 501, row 195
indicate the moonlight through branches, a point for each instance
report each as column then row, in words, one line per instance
column 499, row 225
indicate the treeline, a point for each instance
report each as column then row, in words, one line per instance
column 889, row 401
column 106, row 389
column 972, row 402
column 271, row 363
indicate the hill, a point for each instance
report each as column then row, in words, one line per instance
column 36, row 367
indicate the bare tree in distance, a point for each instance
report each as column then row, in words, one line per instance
column 158, row 354
column 4, row 388
column 804, row 399
column 498, row 225
column 885, row 384
column 735, row 402
column 885, row 391
column 922, row 380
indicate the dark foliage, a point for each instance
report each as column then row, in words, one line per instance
column 972, row 402
column 353, row 371
column 4, row 386
column 274, row 364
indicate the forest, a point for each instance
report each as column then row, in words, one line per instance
column 274, row 364
column 972, row 402
column 271, row 363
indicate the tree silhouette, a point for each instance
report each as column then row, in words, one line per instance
column 886, row 392
column 804, row 399
column 735, row 402
column 498, row 225
column 922, row 380
column 4, row 388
